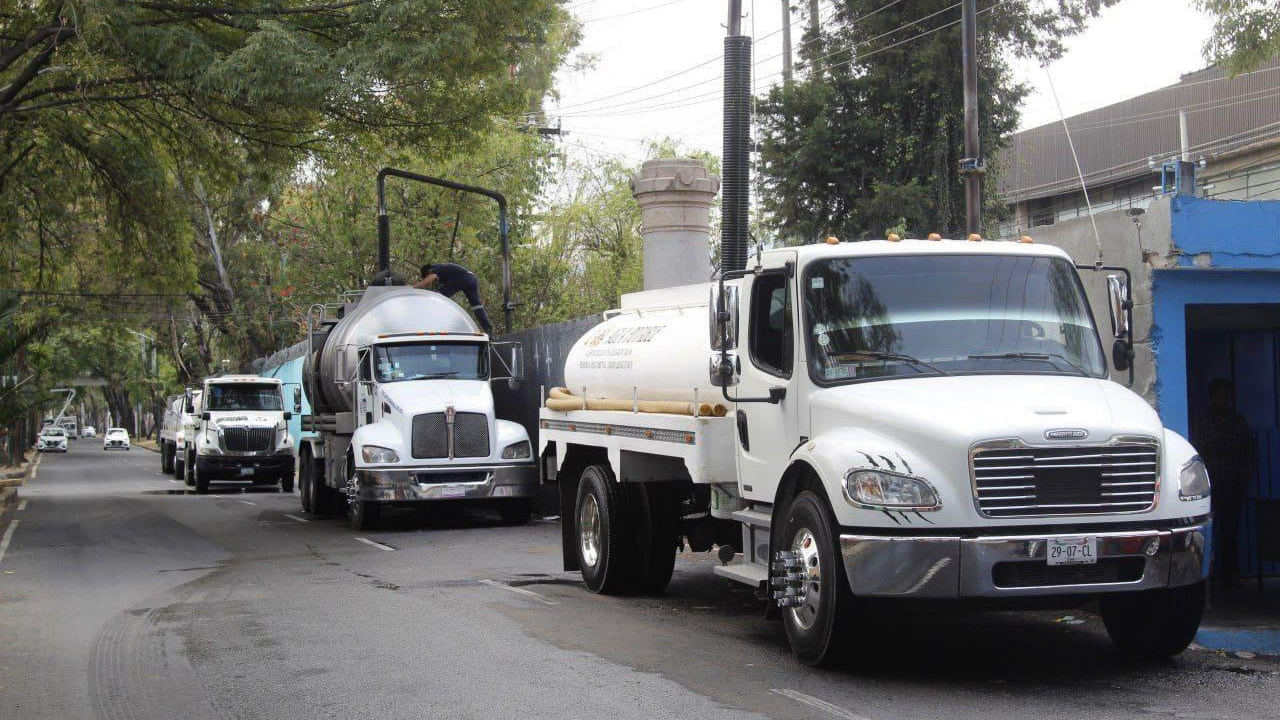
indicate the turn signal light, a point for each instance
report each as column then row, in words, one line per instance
column 1026, row 239
column 833, row 240
column 894, row 237
column 935, row 236
column 975, row 237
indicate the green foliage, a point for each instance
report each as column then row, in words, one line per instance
column 872, row 137
column 1246, row 33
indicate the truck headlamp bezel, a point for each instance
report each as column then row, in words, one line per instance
column 873, row 489
column 518, row 451
column 378, row 455
column 1193, row 480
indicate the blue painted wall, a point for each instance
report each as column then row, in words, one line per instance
column 290, row 373
column 1239, row 234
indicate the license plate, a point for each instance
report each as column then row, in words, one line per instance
column 1072, row 551
column 452, row 491
column 246, row 471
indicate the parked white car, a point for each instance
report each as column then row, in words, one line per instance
column 116, row 439
column 52, row 439
column 89, row 431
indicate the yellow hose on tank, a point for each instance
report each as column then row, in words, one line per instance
column 561, row 400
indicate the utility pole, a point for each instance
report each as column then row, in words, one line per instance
column 815, row 28
column 971, row 165
column 786, row 43
column 736, row 154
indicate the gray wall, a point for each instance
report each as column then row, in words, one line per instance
column 1141, row 246
column 545, row 350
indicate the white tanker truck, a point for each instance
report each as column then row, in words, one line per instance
column 888, row 419
column 401, row 408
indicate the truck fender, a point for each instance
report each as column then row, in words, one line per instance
column 832, row 455
column 382, row 434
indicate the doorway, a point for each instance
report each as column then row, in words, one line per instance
column 1241, row 343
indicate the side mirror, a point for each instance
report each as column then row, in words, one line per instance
column 1119, row 304
column 288, row 415
column 205, row 415
column 517, row 366
column 1122, row 354
column 724, row 368
column 297, row 399
column 722, row 317
column 188, row 402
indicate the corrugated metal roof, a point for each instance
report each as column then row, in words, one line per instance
column 1115, row 143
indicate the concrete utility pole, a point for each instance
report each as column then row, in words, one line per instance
column 786, row 42
column 815, row 27
column 971, row 166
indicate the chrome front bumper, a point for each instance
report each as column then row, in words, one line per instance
column 429, row 484
column 954, row 567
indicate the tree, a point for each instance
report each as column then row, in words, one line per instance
column 872, row 138
column 1246, row 33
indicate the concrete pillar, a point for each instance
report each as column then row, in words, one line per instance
column 675, row 196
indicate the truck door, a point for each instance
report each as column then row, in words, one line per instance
column 767, row 432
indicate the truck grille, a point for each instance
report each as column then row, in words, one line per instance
column 470, row 435
column 1031, row 481
column 1039, row 574
column 248, row 439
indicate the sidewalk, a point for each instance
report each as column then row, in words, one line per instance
column 1243, row 619
column 12, row 478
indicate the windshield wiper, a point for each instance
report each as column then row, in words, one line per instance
column 914, row 363
column 1031, row 356
column 434, row 376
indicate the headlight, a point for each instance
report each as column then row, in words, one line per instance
column 1193, row 481
column 516, row 451
column 375, row 454
column 886, row 490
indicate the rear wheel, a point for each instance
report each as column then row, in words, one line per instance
column 304, row 481
column 1155, row 624
column 656, row 527
column 606, row 552
column 164, row 457
column 286, row 483
column 820, row 625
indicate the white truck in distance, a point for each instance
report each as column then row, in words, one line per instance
column 910, row 419
column 239, row 433
column 188, row 416
column 170, row 431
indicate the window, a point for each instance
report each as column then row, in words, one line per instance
column 398, row 362
column 770, row 340
column 244, row 396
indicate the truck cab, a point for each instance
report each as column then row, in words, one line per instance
column 907, row 420
column 239, row 434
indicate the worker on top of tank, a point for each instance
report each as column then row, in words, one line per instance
column 454, row 279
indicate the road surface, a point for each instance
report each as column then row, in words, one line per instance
column 123, row 596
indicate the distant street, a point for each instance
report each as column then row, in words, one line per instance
column 122, row 596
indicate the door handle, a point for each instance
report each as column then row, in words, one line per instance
column 743, row 437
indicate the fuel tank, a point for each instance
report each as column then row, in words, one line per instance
column 328, row 369
column 659, row 354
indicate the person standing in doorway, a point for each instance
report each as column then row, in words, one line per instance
column 1226, row 444
column 452, row 279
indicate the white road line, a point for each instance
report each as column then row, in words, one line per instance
column 378, row 545
column 520, row 591
column 175, row 481
column 246, row 502
column 22, row 505
column 295, row 517
column 8, row 535
column 817, row 704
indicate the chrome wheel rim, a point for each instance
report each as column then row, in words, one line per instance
column 805, row 546
column 589, row 530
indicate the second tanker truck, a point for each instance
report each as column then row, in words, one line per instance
column 402, row 412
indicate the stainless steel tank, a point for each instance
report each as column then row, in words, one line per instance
column 380, row 310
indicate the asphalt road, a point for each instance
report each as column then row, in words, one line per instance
column 122, row 596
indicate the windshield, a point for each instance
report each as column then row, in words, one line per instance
column 53, row 433
column 244, row 396
column 426, row 361
column 117, row 432
column 952, row 314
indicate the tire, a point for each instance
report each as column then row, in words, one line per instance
column 364, row 514
column 200, row 481
column 286, row 484
column 188, row 470
column 164, row 457
column 606, row 548
column 306, row 463
column 1156, row 624
column 656, row 530
column 177, row 466
column 515, row 512
column 820, row 629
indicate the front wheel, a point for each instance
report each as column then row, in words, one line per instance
column 201, row 481
column 188, row 470
column 819, row 623
column 364, row 514
column 1155, row 624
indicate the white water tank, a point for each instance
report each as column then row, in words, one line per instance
column 656, row 351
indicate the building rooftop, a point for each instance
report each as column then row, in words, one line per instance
column 1225, row 115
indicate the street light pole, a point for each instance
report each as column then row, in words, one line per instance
column 786, row 43
column 971, row 165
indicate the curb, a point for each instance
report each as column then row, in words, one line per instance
column 1257, row 639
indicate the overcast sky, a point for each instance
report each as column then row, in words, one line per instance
column 657, row 66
